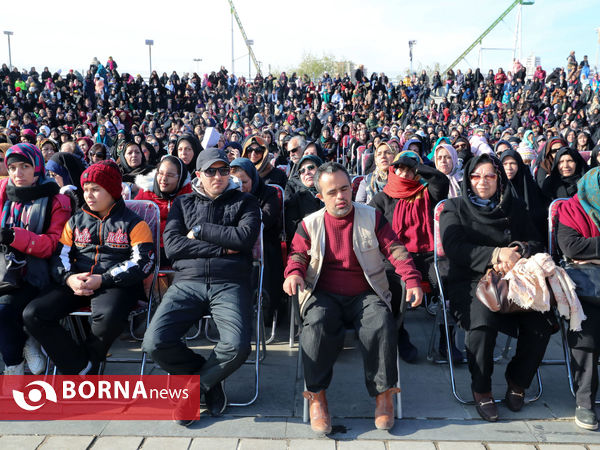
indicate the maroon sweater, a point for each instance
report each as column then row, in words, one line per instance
column 341, row 272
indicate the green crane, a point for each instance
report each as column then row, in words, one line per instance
column 488, row 30
column 246, row 40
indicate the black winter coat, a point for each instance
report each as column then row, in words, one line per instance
column 229, row 222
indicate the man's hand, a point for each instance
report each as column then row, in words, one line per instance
column 228, row 251
column 293, row 284
column 77, row 282
column 414, row 296
column 190, row 235
column 93, row 282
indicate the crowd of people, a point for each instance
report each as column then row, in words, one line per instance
column 343, row 173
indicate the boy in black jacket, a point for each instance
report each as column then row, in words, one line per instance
column 104, row 254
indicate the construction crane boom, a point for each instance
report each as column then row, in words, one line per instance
column 487, row 31
column 239, row 22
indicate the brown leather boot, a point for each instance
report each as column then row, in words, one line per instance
column 320, row 421
column 384, row 409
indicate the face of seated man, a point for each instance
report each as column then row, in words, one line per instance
column 336, row 193
column 215, row 179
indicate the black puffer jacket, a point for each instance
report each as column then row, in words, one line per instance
column 119, row 247
column 229, row 222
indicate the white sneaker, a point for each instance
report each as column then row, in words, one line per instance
column 32, row 352
column 19, row 369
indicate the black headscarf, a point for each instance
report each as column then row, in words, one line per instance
column 594, row 156
column 526, row 189
column 182, row 173
column 129, row 173
column 499, row 207
column 191, row 167
column 555, row 185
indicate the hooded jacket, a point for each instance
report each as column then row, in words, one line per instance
column 230, row 221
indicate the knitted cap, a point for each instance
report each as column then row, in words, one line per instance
column 107, row 175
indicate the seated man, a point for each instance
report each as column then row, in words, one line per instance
column 104, row 254
column 336, row 267
column 209, row 238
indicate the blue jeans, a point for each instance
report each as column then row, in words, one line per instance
column 183, row 305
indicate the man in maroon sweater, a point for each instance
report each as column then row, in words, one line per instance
column 336, row 268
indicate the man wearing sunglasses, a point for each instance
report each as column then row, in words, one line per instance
column 209, row 237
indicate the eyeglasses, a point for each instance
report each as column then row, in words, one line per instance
column 98, row 154
column 294, row 150
column 488, row 177
column 307, row 169
column 460, row 146
column 223, row 171
column 257, row 150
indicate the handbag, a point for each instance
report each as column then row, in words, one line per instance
column 12, row 265
column 587, row 281
column 492, row 290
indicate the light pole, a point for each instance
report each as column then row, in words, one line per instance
column 411, row 44
column 249, row 43
column 197, row 61
column 8, row 35
column 150, row 43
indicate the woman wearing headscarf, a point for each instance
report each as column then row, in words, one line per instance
column 374, row 182
column 477, row 229
column 246, row 172
column 162, row 186
column 85, row 143
column 66, row 169
column 545, row 159
column 568, row 167
column 525, row 188
column 32, row 219
column 187, row 148
column 133, row 163
column 463, row 149
column 593, row 162
column 578, row 234
column 446, row 161
column 255, row 149
column 407, row 202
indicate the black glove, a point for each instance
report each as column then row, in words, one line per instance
column 7, row 236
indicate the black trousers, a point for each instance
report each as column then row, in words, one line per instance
column 110, row 309
column 585, row 350
column 532, row 340
column 324, row 326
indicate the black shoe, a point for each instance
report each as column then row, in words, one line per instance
column 486, row 407
column 514, row 398
column 407, row 351
column 216, row 400
column 187, row 407
column 586, row 418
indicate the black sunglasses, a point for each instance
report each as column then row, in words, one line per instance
column 257, row 150
column 223, row 171
column 294, row 150
column 306, row 169
column 98, row 154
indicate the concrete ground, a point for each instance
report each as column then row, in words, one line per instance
column 433, row 419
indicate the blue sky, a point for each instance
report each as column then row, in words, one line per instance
column 374, row 33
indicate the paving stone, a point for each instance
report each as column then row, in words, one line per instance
column 67, row 443
column 263, row 444
column 312, row 444
column 172, row 443
column 410, row 445
column 503, row 446
column 214, row 444
column 120, row 442
column 460, row 446
column 361, row 445
column 20, row 442
column 560, row 447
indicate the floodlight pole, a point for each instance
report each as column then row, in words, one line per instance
column 150, row 43
column 8, row 35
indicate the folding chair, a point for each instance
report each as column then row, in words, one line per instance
column 356, row 180
column 439, row 253
column 554, row 251
column 149, row 212
column 283, row 240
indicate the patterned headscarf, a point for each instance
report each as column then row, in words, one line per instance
column 32, row 154
column 588, row 191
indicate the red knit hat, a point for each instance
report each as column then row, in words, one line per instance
column 107, row 175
